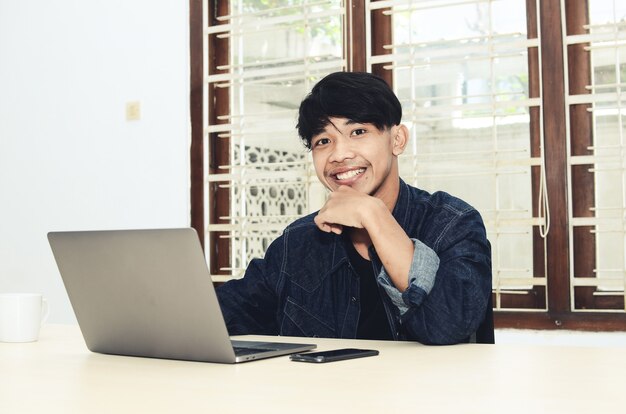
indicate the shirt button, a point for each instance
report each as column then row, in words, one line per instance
column 353, row 299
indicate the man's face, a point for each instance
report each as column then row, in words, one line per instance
column 360, row 156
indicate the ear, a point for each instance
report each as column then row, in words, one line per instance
column 400, row 139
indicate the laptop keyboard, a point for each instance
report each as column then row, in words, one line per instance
column 239, row 351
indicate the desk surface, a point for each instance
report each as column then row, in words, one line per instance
column 59, row 374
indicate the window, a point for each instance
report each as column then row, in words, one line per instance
column 270, row 55
column 596, row 79
column 461, row 71
column 514, row 105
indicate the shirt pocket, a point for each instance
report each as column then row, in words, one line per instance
column 297, row 321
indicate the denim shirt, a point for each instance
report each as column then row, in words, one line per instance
column 305, row 285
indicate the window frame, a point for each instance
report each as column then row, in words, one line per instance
column 558, row 314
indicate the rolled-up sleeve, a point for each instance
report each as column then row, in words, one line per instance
column 421, row 278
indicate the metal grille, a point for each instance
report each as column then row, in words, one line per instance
column 597, row 148
column 278, row 51
column 461, row 71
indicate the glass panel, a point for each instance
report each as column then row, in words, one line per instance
column 609, row 192
column 607, row 13
column 505, row 17
column 604, row 230
column 278, row 50
column 461, row 74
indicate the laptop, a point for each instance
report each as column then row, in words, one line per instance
column 148, row 293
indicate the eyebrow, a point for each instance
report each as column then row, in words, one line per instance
column 352, row 122
column 347, row 122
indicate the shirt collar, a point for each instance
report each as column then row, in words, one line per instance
column 401, row 210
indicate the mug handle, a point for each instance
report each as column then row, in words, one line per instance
column 45, row 310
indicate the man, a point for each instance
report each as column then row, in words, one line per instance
column 381, row 259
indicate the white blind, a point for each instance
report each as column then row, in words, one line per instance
column 604, row 98
column 460, row 69
column 278, row 50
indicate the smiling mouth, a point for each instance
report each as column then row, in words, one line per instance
column 349, row 174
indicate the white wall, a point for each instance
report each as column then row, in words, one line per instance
column 68, row 158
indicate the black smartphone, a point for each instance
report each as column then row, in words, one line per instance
column 334, row 355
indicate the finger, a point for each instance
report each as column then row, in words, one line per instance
column 327, row 227
column 336, row 228
column 322, row 225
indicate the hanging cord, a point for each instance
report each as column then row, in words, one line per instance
column 543, row 205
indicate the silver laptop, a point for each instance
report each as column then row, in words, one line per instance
column 148, row 293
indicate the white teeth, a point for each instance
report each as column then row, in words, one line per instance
column 349, row 174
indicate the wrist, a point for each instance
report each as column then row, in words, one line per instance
column 374, row 213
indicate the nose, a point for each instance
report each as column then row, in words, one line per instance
column 342, row 150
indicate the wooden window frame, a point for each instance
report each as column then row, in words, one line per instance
column 558, row 314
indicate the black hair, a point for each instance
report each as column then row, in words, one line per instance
column 358, row 96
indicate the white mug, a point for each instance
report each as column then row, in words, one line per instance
column 21, row 316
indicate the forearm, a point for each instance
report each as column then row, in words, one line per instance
column 248, row 304
column 447, row 295
column 453, row 309
column 393, row 247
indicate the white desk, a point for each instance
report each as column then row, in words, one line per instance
column 59, row 374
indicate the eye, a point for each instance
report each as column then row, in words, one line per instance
column 359, row 131
column 321, row 142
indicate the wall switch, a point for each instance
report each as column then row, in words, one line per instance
column 133, row 111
